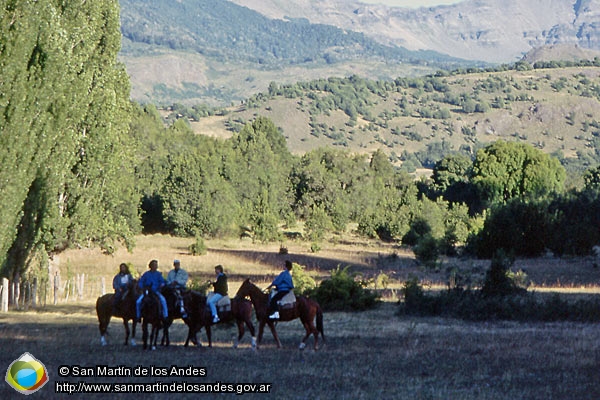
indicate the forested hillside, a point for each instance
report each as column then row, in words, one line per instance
column 416, row 121
column 219, row 52
column 226, row 31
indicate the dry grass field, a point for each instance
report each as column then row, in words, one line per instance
column 369, row 355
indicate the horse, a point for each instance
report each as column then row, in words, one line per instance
column 126, row 310
column 193, row 303
column 306, row 309
column 151, row 314
column 241, row 313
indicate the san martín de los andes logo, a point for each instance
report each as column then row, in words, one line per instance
column 26, row 374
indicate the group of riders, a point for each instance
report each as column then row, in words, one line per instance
column 177, row 278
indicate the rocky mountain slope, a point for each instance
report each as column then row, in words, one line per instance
column 496, row 31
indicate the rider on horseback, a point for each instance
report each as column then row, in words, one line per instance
column 220, row 291
column 283, row 283
column 155, row 281
column 122, row 282
column 177, row 279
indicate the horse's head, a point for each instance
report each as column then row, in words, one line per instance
column 244, row 289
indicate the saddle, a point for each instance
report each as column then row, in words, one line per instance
column 223, row 305
column 287, row 301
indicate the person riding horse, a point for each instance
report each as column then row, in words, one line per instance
column 176, row 280
column 220, row 290
column 122, row 282
column 155, row 281
column 283, row 283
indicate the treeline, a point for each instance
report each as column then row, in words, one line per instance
column 509, row 196
column 82, row 166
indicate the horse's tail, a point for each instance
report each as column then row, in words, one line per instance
column 320, row 322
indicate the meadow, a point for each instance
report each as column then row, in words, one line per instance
column 375, row 354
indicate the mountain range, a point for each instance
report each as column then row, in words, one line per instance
column 496, row 31
column 221, row 52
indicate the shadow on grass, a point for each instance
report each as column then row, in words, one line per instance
column 368, row 264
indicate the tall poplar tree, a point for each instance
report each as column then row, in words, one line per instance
column 63, row 129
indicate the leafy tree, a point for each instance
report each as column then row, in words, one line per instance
column 518, row 227
column 451, row 170
column 592, row 179
column 506, row 170
column 197, row 199
column 259, row 172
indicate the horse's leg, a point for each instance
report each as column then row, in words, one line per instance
column 145, row 334
column 240, row 326
column 209, row 335
column 250, row 325
column 103, row 326
column 261, row 331
column 154, row 337
column 274, row 332
column 133, row 325
column 126, row 326
column 165, row 341
column 103, row 321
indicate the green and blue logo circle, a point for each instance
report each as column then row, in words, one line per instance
column 26, row 374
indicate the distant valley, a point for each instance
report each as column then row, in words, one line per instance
column 222, row 52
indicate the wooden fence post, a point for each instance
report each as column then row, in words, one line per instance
column 16, row 291
column 5, row 285
column 103, row 287
column 56, row 287
column 80, row 285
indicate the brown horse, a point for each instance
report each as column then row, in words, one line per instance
column 241, row 313
column 194, row 303
column 306, row 309
column 126, row 310
column 151, row 314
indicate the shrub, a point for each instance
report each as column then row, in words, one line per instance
column 198, row 248
column 498, row 281
column 476, row 306
column 427, row 251
column 303, row 282
column 344, row 292
column 198, row 286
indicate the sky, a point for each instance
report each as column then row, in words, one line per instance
column 412, row 3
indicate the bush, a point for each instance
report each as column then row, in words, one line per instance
column 427, row 251
column 473, row 305
column 303, row 282
column 498, row 280
column 198, row 248
column 344, row 292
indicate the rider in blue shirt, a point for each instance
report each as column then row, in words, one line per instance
column 155, row 281
column 283, row 283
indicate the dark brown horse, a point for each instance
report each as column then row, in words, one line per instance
column 151, row 315
column 126, row 310
column 241, row 313
column 306, row 309
column 194, row 303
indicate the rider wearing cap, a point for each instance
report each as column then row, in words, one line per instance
column 177, row 279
